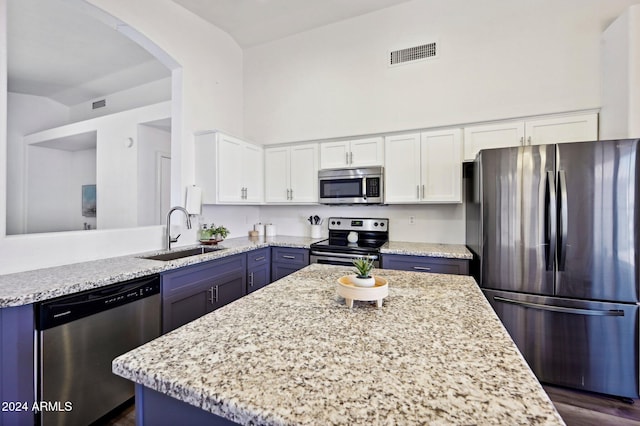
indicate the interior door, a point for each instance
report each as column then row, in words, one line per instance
column 598, row 226
column 518, row 220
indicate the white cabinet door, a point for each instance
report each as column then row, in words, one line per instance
column 304, row 173
column 441, row 171
column 402, row 168
column 574, row 128
column 334, row 155
column 276, row 166
column 366, row 152
column 497, row 135
column 229, row 169
column 253, row 173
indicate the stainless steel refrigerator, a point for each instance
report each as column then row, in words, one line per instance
column 555, row 233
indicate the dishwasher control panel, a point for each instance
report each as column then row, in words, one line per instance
column 65, row 309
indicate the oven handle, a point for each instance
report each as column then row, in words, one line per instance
column 345, row 255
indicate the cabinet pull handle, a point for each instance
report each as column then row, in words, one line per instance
column 418, row 192
column 216, row 293
column 211, row 295
column 529, row 140
column 521, row 140
column 257, row 259
column 250, row 279
column 421, row 268
column 346, row 158
column 286, row 256
column 291, row 192
column 422, row 191
column 351, row 157
column 288, row 196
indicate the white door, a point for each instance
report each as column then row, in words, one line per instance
column 304, row 173
column 366, row 152
column 562, row 129
column 276, row 166
column 497, row 135
column 253, row 173
column 402, row 168
column 441, row 154
column 334, row 155
column 229, row 171
column 163, row 188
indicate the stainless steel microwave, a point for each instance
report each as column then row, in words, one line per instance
column 351, row 186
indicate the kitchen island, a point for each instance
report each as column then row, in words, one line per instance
column 293, row 353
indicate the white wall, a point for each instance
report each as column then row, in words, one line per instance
column 498, row 59
column 27, row 114
column 209, row 97
column 54, row 180
column 146, row 94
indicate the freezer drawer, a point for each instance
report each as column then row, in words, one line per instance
column 580, row 344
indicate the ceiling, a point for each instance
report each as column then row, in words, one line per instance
column 58, row 50
column 253, row 22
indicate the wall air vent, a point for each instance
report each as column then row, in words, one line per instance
column 413, row 54
column 99, row 104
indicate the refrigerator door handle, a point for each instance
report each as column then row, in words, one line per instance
column 552, row 234
column 564, row 220
column 562, row 309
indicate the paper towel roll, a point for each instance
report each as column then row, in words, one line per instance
column 193, row 203
column 270, row 230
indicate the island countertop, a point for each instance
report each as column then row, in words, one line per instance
column 293, row 353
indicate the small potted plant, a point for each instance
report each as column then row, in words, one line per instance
column 220, row 233
column 363, row 278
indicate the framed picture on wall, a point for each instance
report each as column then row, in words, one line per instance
column 89, row 200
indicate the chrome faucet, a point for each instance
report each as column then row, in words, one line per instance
column 171, row 239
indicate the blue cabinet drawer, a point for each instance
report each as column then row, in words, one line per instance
column 291, row 256
column 258, row 257
column 439, row 265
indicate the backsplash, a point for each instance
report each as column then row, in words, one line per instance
column 431, row 223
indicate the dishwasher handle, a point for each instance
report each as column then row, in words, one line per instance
column 70, row 308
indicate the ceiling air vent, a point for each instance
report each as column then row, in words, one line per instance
column 413, row 54
column 99, row 104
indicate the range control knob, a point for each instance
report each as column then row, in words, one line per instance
column 338, row 222
column 333, row 222
column 382, row 224
column 375, row 223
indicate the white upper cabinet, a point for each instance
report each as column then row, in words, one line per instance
column 568, row 128
column 498, row 135
column 441, row 172
column 562, row 129
column 229, row 170
column 355, row 153
column 291, row 174
column 424, row 167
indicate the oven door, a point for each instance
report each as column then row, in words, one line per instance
column 345, row 190
column 344, row 259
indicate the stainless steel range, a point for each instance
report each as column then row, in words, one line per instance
column 351, row 238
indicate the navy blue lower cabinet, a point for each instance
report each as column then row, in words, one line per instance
column 286, row 260
column 193, row 291
column 17, row 374
column 440, row 265
column 258, row 269
column 157, row 409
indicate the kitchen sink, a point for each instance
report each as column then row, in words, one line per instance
column 183, row 253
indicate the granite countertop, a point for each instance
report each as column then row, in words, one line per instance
column 293, row 353
column 27, row 287
column 454, row 251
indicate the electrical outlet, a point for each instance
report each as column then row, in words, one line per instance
column 412, row 220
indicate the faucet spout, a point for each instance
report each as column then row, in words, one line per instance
column 175, row 239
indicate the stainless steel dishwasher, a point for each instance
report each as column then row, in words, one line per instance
column 79, row 335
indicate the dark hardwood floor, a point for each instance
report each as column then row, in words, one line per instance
column 577, row 408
